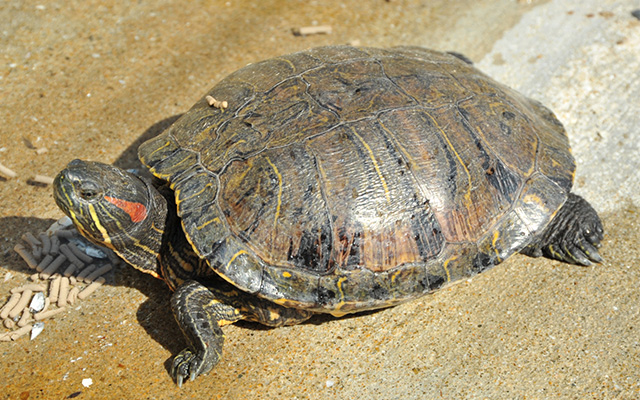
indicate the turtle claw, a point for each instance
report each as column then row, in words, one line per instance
column 590, row 249
column 578, row 246
column 179, row 381
column 583, row 249
column 577, row 255
column 186, row 364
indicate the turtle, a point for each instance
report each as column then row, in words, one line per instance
column 335, row 180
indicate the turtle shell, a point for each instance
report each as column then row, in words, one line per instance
column 340, row 178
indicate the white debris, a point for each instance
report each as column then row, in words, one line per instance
column 87, row 248
column 62, row 223
column 37, row 328
column 37, row 303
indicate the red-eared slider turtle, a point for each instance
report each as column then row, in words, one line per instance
column 338, row 179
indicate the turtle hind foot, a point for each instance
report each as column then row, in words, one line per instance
column 573, row 235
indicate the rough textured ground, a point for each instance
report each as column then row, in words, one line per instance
column 87, row 79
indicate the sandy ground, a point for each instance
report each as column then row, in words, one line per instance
column 89, row 79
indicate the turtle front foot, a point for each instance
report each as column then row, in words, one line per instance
column 199, row 314
column 573, row 235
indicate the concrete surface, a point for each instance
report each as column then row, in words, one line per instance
column 87, row 79
column 588, row 75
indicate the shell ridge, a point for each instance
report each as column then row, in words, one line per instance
column 394, row 83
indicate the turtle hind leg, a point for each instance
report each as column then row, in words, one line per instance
column 573, row 235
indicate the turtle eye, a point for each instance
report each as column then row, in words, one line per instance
column 88, row 194
column 88, row 191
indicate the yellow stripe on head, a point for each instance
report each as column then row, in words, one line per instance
column 96, row 220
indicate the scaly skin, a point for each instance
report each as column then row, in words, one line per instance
column 573, row 235
column 202, row 310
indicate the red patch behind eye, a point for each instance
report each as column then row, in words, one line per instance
column 137, row 211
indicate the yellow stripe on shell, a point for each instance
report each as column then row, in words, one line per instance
column 444, row 135
column 336, row 311
column 233, row 258
column 275, row 219
column 375, row 164
column 216, row 219
column 180, row 200
column 496, row 236
column 158, row 149
column 291, row 64
column 233, row 146
column 445, row 265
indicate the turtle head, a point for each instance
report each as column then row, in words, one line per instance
column 115, row 209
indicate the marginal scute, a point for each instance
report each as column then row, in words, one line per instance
column 154, row 151
column 346, row 291
column 282, row 285
column 301, row 62
column 262, row 76
column 196, row 188
column 238, row 265
column 508, row 236
column 351, row 291
column 541, row 198
column 337, row 54
column 427, row 56
column 454, row 263
column 205, row 228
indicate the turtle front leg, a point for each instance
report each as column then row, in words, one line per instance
column 573, row 235
column 200, row 315
column 202, row 310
